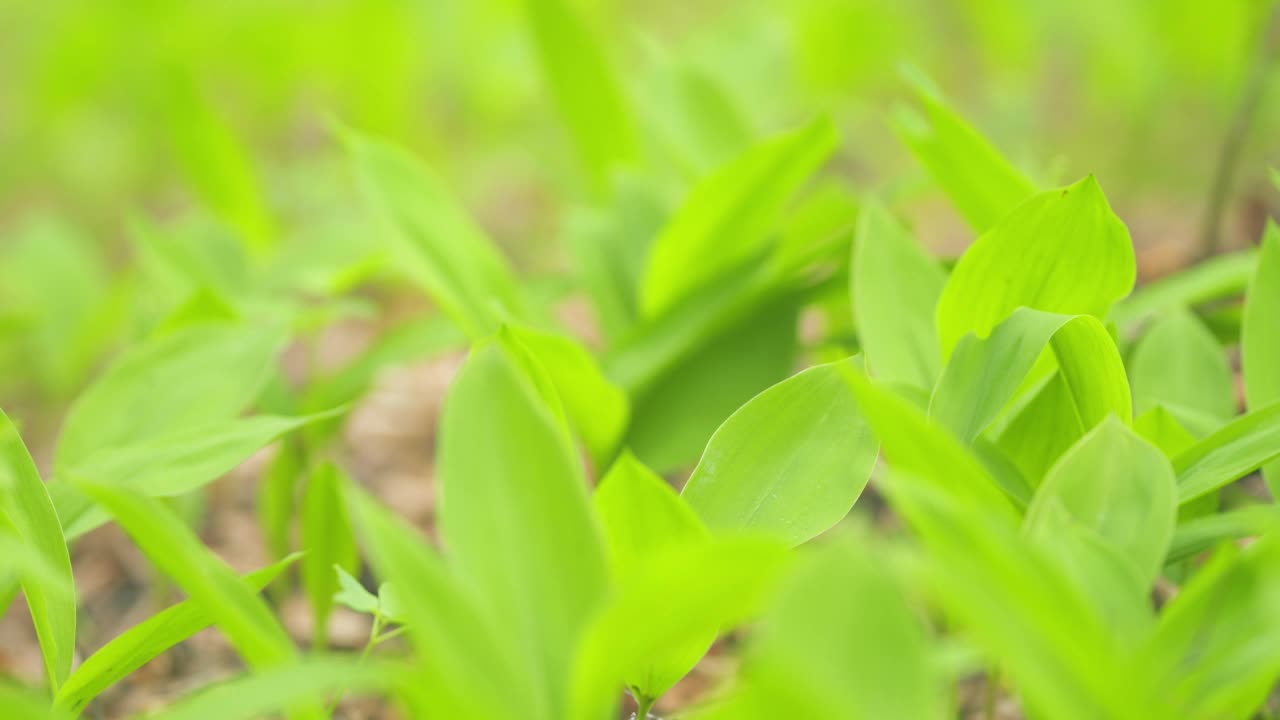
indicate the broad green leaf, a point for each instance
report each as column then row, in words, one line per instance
column 721, row 582
column 514, row 514
column 464, row 666
column 727, row 217
column 819, row 229
column 984, row 375
column 1061, row 251
column 433, row 240
column 1216, row 278
column 912, row 444
column 672, row 419
column 28, row 513
column 177, row 552
column 277, row 496
column 327, row 542
column 790, row 463
column 586, row 91
column 1120, row 488
column 642, row 517
column 1214, row 649
column 1238, row 448
column 1179, row 365
column 896, row 286
column 164, row 385
column 840, row 641
column 595, row 407
column 19, row 702
column 1160, row 428
column 141, row 643
column 269, row 692
column 695, row 117
column 166, row 464
column 1260, row 338
column 1043, row 425
column 981, row 183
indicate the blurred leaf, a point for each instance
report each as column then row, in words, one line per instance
column 463, row 666
column 727, row 217
column 1120, row 489
column 328, row 543
column 178, row 553
column 1214, row 279
column 277, row 497
column 1180, row 366
column 269, row 692
column 352, row 594
column 141, row 643
column 1160, row 428
column 896, row 286
column 515, row 517
column 22, row 703
column 981, row 183
column 1236, row 449
column 1061, row 251
column 595, row 407
column 1260, row 338
column 27, row 512
column 983, row 375
column 816, row 657
column 1213, row 651
column 587, row 93
column 164, row 385
column 1202, row 533
column 721, row 582
column 642, row 517
column 790, row 463
column 433, row 240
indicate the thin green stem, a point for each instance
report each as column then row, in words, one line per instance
column 375, row 637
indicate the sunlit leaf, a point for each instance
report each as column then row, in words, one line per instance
column 1260, row 338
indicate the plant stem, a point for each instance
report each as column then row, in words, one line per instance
column 643, row 706
column 373, row 640
column 1237, row 132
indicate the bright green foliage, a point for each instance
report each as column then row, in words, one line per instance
column 895, row 295
column 1239, row 447
column 981, row 183
column 790, row 463
column 1178, row 365
column 840, row 642
column 27, row 514
column 1218, row 278
column 727, row 217
column 327, row 541
column 1061, row 251
column 515, row 517
column 433, row 240
column 141, row 643
column 1260, row 338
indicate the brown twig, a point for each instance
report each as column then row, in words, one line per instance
column 1237, row 133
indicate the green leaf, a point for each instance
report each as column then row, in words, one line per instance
column 1260, row 338
column 896, row 287
column 277, row 497
column 1202, row 533
column 167, row 464
column 164, row 386
column 433, row 240
column 1213, row 652
column 727, row 217
column 983, row 375
column 595, row 407
column 28, row 513
column 176, row 551
column 141, row 643
column 721, row 582
column 1160, row 428
column 328, row 543
column 1180, row 366
column 1061, row 251
column 18, row 702
column 514, row 514
column 268, row 692
column 586, row 91
column 1214, row 279
column 643, row 517
column 790, row 463
column 352, row 594
column 463, row 665
column 1119, row 488
column 813, row 656
column 1236, row 449
column 981, row 183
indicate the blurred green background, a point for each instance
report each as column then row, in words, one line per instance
column 150, row 149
